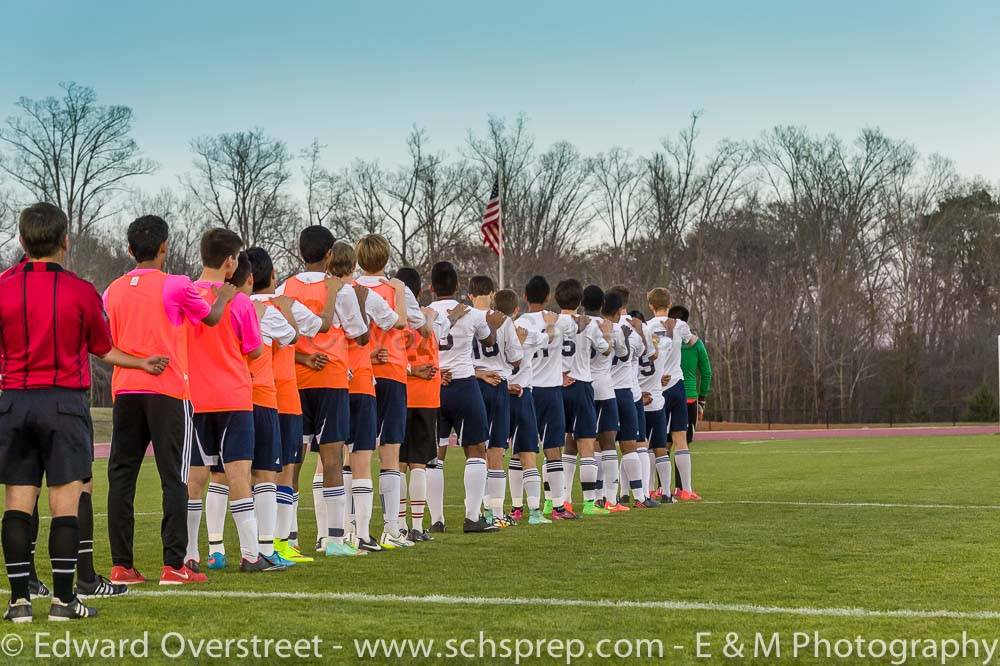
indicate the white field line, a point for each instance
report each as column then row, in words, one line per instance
column 446, row 600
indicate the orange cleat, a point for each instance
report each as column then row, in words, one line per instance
column 688, row 496
column 617, row 508
column 568, row 506
column 126, row 576
column 182, row 576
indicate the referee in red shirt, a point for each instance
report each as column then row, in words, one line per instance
column 50, row 320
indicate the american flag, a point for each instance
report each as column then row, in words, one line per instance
column 492, row 227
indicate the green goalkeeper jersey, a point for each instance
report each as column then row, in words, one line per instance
column 697, row 370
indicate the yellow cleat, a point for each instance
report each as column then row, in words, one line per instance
column 290, row 552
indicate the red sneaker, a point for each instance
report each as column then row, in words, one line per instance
column 617, row 508
column 126, row 576
column 688, row 496
column 182, row 576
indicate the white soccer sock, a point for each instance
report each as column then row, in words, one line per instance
column 533, row 487
column 293, row 531
column 475, row 483
column 283, row 523
column 515, row 476
column 496, row 490
column 588, row 478
column 652, row 470
column 682, row 459
column 569, row 473
column 599, row 485
column 334, row 499
column 194, row 527
column 418, row 497
column 265, row 507
column 632, row 466
column 664, row 472
column 318, row 506
column 246, row 526
column 401, row 516
column 361, row 489
column 388, row 491
column 554, row 470
column 348, row 477
column 435, row 490
column 609, row 465
column 644, row 468
column 545, row 480
column 215, row 517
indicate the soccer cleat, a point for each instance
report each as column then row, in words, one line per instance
column 535, row 517
column 417, row 536
column 656, row 494
column 426, row 536
column 688, row 496
column 438, row 528
column 517, row 514
column 617, row 508
column 510, row 520
column 623, row 500
column 72, row 610
column 600, row 503
column 667, row 498
column 18, row 612
column 562, row 513
column 392, row 541
column 477, row 526
column 676, row 491
column 591, row 509
column 639, row 505
column 650, row 503
column 370, row 546
column 321, row 545
column 334, row 549
column 37, row 589
column 290, row 552
column 100, row 587
column 278, row 559
column 126, row 576
column 195, row 567
column 568, row 506
column 547, row 507
column 217, row 561
column 262, row 563
column 183, row 576
column 404, row 534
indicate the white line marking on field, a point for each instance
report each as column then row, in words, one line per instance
column 437, row 599
column 853, row 505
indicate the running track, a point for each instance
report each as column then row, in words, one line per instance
column 101, row 450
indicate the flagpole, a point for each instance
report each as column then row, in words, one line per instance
column 500, row 254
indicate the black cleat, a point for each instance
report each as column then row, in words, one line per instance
column 476, row 526
column 100, row 587
column 18, row 612
column 650, row 503
column 438, row 527
column 262, row 563
column 37, row 589
column 74, row 610
column 372, row 546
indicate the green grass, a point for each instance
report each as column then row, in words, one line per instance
column 723, row 550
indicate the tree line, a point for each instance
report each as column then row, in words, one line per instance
column 831, row 278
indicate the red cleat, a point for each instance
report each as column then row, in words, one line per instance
column 617, row 508
column 182, row 576
column 639, row 505
column 656, row 494
column 568, row 506
column 565, row 514
column 688, row 496
column 517, row 514
column 126, row 576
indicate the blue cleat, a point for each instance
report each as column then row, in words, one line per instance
column 217, row 561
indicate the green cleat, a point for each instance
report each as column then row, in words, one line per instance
column 547, row 508
column 289, row 552
column 536, row 518
column 591, row 509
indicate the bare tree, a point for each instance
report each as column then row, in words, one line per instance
column 327, row 193
column 623, row 198
column 241, row 179
column 73, row 152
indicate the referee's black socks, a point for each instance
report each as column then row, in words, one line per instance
column 16, row 537
column 64, row 542
column 85, row 558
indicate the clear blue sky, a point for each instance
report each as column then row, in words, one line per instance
column 358, row 75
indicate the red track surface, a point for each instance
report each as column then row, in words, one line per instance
column 101, row 450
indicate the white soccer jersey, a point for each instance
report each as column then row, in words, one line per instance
column 456, row 347
column 623, row 375
column 347, row 313
column 414, row 315
column 650, row 371
column 682, row 335
column 273, row 325
column 535, row 340
column 546, row 364
column 600, row 364
column 502, row 354
column 576, row 351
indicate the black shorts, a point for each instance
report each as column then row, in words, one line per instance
column 45, row 432
column 326, row 414
column 390, row 398
column 266, row 440
column 290, row 426
column 497, row 402
column 420, row 443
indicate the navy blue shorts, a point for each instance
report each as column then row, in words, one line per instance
column 364, row 422
column 222, row 437
column 290, row 427
column 628, row 425
column 578, row 404
column 496, row 399
column 607, row 415
column 640, row 421
column 550, row 415
column 326, row 414
column 523, row 423
column 676, row 407
column 463, row 411
column 267, row 440
column 390, row 396
column 656, row 428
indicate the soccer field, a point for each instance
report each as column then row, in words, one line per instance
column 883, row 538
